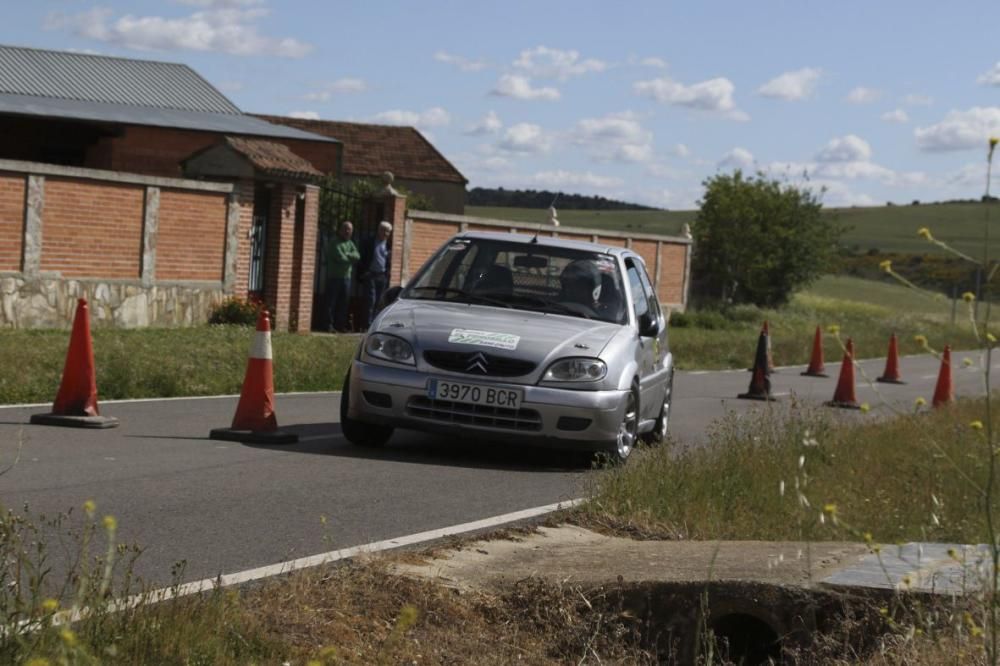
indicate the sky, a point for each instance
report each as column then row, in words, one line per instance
column 863, row 102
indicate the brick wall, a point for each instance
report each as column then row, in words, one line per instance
column 191, row 241
column 12, row 190
column 672, row 287
column 92, row 229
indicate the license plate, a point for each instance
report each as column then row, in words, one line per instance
column 475, row 394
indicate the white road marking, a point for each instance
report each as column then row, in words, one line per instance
column 332, row 394
column 240, row 577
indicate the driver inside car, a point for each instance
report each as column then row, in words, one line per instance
column 580, row 285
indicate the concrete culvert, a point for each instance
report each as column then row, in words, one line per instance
column 745, row 639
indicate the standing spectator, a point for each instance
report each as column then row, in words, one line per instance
column 341, row 255
column 373, row 269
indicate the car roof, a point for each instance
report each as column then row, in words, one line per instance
column 547, row 241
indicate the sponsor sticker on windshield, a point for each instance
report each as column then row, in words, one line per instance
column 465, row 336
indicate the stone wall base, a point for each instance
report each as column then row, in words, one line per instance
column 51, row 303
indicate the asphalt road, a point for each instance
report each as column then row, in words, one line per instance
column 226, row 507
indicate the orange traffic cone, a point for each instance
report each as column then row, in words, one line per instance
column 254, row 420
column 760, row 384
column 76, row 401
column 891, row 374
column 944, row 392
column 816, row 368
column 844, row 396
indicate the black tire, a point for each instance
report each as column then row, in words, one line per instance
column 660, row 431
column 618, row 451
column 357, row 432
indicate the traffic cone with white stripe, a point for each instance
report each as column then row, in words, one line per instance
column 254, row 420
column 76, row 402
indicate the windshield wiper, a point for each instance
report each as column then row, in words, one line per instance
column 550, row 305
column 479, row 298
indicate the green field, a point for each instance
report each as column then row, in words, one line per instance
column 887, row 228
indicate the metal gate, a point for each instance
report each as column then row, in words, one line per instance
column 338, row 204
column 258, row 243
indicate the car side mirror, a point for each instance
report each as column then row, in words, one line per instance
column 389, row 296
column 649, row 325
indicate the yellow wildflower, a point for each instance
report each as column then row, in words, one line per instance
column 50, row 605
column 991, row 337
column 952, row 553
column 37, row 661
column 993, row 142
column 920, row 340
column 976, row 425
column 833, row 329
column 68, row 636
column 925, row 233
column 865, row 408
column 868, row 538
column 967, row 362
column 968, row 297
column 885, row 265
column 110, row 523
column 89, row 507
column 920, row 402
column 830, row 509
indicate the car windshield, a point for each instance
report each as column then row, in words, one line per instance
column 524, row 276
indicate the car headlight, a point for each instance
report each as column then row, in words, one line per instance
column 389, row 348
column 576, row 370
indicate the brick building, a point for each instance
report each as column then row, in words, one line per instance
column 139, row 186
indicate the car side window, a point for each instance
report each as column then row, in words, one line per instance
column 647, row 286
column 640, row 304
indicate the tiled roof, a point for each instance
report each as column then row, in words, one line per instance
column 92, row 78
column 273, row 158
column 371, row 150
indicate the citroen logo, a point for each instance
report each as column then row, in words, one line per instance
column 477, row 362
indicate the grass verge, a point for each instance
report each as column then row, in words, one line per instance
column 771, row 474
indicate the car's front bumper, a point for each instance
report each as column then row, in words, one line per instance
column 561, row 418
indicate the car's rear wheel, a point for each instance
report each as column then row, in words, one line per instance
column 659, row 432
column 628, row 430
column 357, row 432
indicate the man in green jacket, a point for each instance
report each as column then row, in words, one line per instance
column 341, row 255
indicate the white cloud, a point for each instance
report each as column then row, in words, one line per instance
column 618, row 136
column 433, row 117
column 221, row 4
column 519, row 87
column 737, row 158
column 791, row 86
column 544, row 63
column 863, row 95
column 914, row 99
column 680, row 150
column 489, row 124
column 344, row 86
column 850, row 148
column 560, row 179
column 960, row 130
column 304, row 115
column 658, row 63
column 525, row 138
column 223, row 27
column 895, row 116
column 711, row 95
column 463, row 63
column 991, row 77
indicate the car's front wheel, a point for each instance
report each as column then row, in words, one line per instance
column 659, row 432
column 628, row 430
column 357, row 432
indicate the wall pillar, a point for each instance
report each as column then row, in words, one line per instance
column 32, row 248
column 395, row 214
column 279, row 260
column 240, row 226
column 150, row 226
column 304, row 258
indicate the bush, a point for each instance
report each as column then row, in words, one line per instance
column 239, row 311
column 757, row 239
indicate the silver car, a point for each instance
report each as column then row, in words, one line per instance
column 520, row 339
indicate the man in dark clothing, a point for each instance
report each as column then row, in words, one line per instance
column 373, row 269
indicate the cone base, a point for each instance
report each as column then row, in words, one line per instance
column 842, row 405
column 757, row 396
column 65, row 421
column 251, row 437
column 814, row 374
column 890, row 380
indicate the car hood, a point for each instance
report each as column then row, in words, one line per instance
column 535, row 336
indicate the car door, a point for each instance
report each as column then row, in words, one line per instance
column 647, row 351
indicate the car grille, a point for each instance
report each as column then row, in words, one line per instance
column 478, row 363
column 479, row 415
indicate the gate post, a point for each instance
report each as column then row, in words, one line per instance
column 395, row 214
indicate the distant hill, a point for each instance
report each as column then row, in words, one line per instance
column 542, row 199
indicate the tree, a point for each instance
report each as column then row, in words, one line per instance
column 757, row 239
